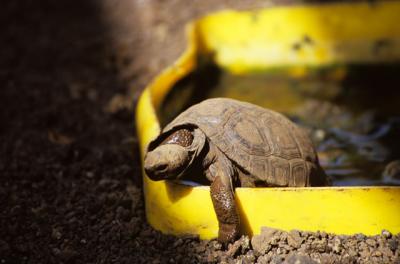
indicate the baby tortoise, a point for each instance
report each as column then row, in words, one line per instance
column 235, row 144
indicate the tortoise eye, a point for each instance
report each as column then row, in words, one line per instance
column 182, row 137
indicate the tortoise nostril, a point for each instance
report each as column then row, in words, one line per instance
column 161, row 167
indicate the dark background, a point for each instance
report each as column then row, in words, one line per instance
column 70, row 186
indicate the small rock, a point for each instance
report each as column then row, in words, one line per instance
column 56, row 251
column 294, row 239
column 360, row 237
column 299, row 259
column 117, row 103
column 249, row 258
column 245, row 244
column 210, row 258
column 376, row 253
column 90, row 174
column 385, row 259
column 364, row 253
column 371, row 242
column 177, row 243
column 262, row 243
column 319, row 245
column 386, row 251
column 265, row 259
column 393, row 244
column 56, row 234
column 386, row 234
column 284, row 245
column 304, row 248
column 216, row 245
column 337, row 245
column 328, row 258
column 362, row 246
column 352, row 252
column 323, row 235
column 277, row 260
column 350, row 244
column 281, row 251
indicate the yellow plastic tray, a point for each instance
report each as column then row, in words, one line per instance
column 246, row 41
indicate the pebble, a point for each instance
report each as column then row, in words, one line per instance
column 337, row 245
column 371, row 242
column 294, row 239
column 319, row 245
column 393, row 244
column 386, row 234
column 263, row 242
column 299, row 259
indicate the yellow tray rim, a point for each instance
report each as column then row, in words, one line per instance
column 177, row 209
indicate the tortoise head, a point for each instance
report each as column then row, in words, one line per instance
column 172, row 153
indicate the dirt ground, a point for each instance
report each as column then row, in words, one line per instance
column 70, row 188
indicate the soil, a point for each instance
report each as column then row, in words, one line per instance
column 70, row 187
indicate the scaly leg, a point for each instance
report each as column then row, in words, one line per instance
column 224, row 205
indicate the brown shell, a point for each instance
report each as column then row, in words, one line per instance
column 261, row 142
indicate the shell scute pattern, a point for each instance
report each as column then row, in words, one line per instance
column 285, row 146
column 299, row 172
column 263, row 143
column 247, row 135
column 259, row 164
column 280, row 172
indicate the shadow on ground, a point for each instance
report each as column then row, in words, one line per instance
column 70, row 188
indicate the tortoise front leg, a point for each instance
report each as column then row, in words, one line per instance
column 224, row 205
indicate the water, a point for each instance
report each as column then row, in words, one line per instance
column 352, row 113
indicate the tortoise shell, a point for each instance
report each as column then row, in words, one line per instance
column 261, row 142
